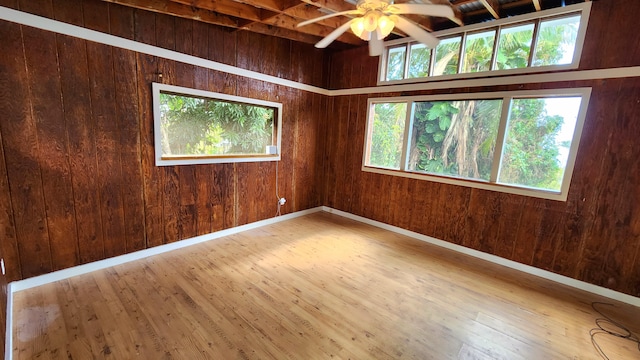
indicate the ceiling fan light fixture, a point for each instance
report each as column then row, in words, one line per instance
column 381, row 17
column 385, row 25
column 371, row 20
column 357, row 26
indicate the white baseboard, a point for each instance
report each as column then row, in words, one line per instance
column 565, row 280
column 102, row 264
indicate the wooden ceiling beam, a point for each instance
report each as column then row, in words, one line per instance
column 334, row 5
column 308, row 12
column 288, row 22
column 282, row 33
column 505, row 6
column 493, row 7
column 273, row 5
column 288, row 4
column 457, row 14
column 536, row 4
column 180, row 10
column 226, row 7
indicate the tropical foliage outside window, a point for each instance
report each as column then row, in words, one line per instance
column 554, row 44
column 386, row 134
column 520, row 139
column 514, row 47
column 395, row 63
column 191, row 124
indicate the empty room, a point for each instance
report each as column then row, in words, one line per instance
column 320, row 179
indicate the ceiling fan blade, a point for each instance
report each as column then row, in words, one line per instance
column 416, row 32
column 422, row 9
column 334, row 35
column 376, row 46
column 329, row 16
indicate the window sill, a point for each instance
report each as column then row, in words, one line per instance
column 472, row 183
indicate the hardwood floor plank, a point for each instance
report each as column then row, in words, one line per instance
column 315, row 287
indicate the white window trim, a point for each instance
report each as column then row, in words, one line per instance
column 583, row 8
column 213, row 159
column 561, row 195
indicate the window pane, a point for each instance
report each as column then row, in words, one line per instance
column 477, row 51
column 454, row 138
column 447, row 56
column 538, row 139
column 514, row 47
column 395, row 63
column 556, row 41
column 419, row 61
column 386, row 134
column 192, row 125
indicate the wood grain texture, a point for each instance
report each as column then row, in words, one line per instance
column 43, row 79
column 9, row 247
column 81, row 132
column 314, row 287
column 21, row 149
column 77, row 139
column 593, row 236
column 126, row 101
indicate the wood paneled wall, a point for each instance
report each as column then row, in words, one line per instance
column 594, row 236
column 78, row 181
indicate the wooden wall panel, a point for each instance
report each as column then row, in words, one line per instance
column 13, row 108
column 594, row 236
column 74, row 74
column 80, row 181
column 130, row 151
column 44, row 91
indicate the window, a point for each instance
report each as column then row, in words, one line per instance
column 386, row 134
column 420, row 60
column 514, row 47
column 478, row 51
column 198, row 127
column 395, row 65
column 522, row 142
column 447, row 55
column 526, row 43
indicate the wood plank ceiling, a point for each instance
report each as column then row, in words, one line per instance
column 280, row 17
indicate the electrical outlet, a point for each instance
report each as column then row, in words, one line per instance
column 282, row 201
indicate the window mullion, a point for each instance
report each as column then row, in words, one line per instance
column 494, row 55
column 502, row 130
column 407, row 54
column 462, row 52
column 432, row 60
column 407, row 135
column 534, row 42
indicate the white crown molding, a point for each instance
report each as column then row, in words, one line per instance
column 59, row 27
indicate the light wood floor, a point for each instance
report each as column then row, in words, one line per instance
column 316, row 287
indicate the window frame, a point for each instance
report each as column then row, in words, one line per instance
column 492, row 184
column 164, row 160
column 582, row 9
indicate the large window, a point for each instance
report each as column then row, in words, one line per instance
column 526, row 43
column 196, row 127
column 522, row 142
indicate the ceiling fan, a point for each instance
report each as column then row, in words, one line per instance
column 377, row 20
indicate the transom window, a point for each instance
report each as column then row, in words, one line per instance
column 527, row 43
column 522, row 142
column 197, row 127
